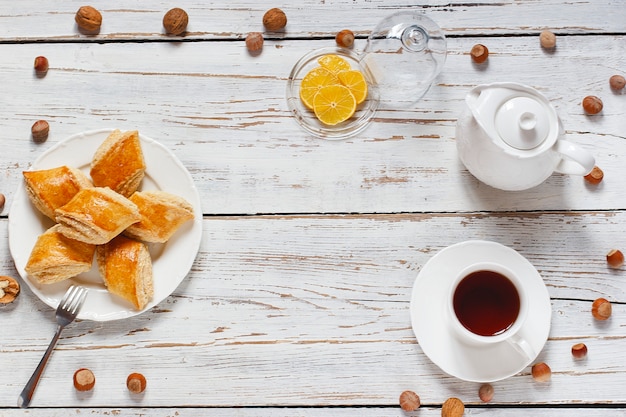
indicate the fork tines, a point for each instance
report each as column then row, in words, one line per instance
column 73, row 299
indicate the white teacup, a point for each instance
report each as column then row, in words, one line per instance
column 488, row 304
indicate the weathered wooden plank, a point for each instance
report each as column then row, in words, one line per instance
column 234, row 133
column 32, row 21
column 273, row 299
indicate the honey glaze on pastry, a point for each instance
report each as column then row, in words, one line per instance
column 96, row 215
column 49, row 189
column 126, row 269
column 161, row 213
column 119, row 163
column 56, row 257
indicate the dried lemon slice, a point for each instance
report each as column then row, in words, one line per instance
column 334, row 63
column 355, row 81
column 312, row 82
column 334, row 104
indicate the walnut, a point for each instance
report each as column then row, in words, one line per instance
column 175, row 21
column 88, row 18
column 9, row 289
column 274, row 19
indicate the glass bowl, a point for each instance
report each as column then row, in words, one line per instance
column 307, row 119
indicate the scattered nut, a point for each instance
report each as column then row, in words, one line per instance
column 274, row 19
column 136, row 383
column 409, row 401
column 541, row 372
column 41, row 65
column 88, row 18
column 485, row 393
column 479, row 53
column 175, row 21
column 254, row 41
column 595, row 176
column 601, row 309
column 345, row 38
column 452, row 407
column 40, row 130
column 2, row 201
column 615, row 258
column 579, row 350
column 592, row 105
column 9, row 289
column 547, row 39
column 617, row 82
column 84, row 380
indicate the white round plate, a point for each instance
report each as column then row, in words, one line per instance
column 171, row 261
column 442, row 346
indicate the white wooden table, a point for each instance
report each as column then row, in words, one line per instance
column 298, row 301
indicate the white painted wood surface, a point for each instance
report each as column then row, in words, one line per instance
column 300, row 294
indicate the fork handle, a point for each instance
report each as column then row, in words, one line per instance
column 27, row 393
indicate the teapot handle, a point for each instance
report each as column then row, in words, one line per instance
column 574, row 159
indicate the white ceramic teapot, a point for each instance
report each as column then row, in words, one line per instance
column 510, row 137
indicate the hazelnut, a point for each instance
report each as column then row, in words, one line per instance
column 452, row 407
column 579, row 350
column 615, row 258
column 40, row 130
column 595, row 176
column 3, row 200
column 547, row 39
column 485, row 393
column 274, row 19
column 541, row 372
column 601, row 309
column 9, row 289
column 617, row 82
column 592, row 105
column 345, row 38
column 479, row 53
column 88, row 18
column 136, row 383
column 175, row 21
column 409, row 401
column 254, row 41
column 84, row 380
column 41, row 65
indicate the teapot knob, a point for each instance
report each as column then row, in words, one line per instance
column 527, row 121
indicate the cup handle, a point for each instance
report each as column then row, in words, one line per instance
column 574, row 159
column 522, row 346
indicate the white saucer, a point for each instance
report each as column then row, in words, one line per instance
column 438, row 342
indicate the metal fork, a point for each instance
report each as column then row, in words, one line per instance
column 68, row 309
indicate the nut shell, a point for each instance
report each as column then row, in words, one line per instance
column 84, row 380
column 601, row 309
column 136, row 383
column 595, row 176
column 547, row 39
column 617, row 82
column 592, row 105
column 485, row 392
column 88, row 18
column 40, row 130
column 452, row 407
column 345, row 38
column 175, row 21
column 9, row 287
column 409, row 401
column 3, row 200
column 615, row 258
column 541, row 372
column 274, row 19
column 579, row 351
column 254, row 41
column 41, row 65
column 479, row 53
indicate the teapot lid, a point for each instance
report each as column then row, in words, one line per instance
column 523, row 122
